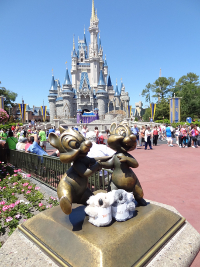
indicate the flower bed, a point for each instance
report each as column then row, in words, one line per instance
column 19, row 200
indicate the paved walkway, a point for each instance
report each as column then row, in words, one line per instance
column 170, row 175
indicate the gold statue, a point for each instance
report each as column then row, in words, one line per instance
column 73, row 185
column 122, row 140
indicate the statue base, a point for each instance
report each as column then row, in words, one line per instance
column 73, row 241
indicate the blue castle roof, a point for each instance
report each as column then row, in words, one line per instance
column 67, row 79
column 109, row 81
column 53, row 84
column 101, row 80
column 116, row 91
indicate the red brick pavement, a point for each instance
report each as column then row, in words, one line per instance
column 170, row 175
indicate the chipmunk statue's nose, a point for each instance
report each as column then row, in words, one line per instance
column 88, row 143
column 85, row 146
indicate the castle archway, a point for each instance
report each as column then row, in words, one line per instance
column 85, row 110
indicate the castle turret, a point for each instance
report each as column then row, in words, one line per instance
column 117, row 96
column 102, row 96
column 53, row 93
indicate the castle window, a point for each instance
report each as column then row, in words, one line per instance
column 81, row 54
column 81, row 60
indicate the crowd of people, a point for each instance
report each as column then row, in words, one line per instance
column 29, row 140
column 35, row 140
column 183, row 135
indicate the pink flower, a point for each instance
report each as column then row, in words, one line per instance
column 22, row 190
column 0, row 179
column 19, row 170
column 17, row 216
column 25, row 184
column 12, row 205
column 15, row 183
column 4, row 187
column 40, row 205
column 25, row 220
column 37, row 188
column 15, row 174
column 0, row 187
column 28, row 192
column 51, row 197
column 17, row 202
column 13, row 194
column 5, row 208
column 2, row 202
column 9, row 219
column 15, row 170
column 29, row 187
column 28, row 175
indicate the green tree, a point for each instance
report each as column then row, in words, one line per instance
column 10, row 97
column 162, row 110
column 163, row 87
column 147, row 114
column 147, row 92
column 188, row 88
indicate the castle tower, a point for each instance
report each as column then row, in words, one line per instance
column 67, row 94
column 52, row 99
column 102, row 96
column 93, row 48
column 117, row 97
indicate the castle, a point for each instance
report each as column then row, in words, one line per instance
column 90, row 90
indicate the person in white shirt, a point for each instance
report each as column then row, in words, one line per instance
column 147, row 138
column 84, row 130
column 21, row 144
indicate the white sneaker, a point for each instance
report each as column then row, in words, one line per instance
column 193, row 146
column 186, row 146
column 171, row 145
column 180, row 146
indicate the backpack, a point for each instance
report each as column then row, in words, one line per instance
column 100, row 140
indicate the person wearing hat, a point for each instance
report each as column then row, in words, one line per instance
column 22, row 143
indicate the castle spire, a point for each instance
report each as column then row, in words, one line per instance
column 101, row 79
column 93, row 11
column 73, row 43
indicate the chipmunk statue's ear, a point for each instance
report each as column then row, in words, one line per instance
column 113, row 127
column 54, row 140
column 62, row 129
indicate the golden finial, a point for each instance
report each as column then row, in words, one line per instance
column 73, row 43
column 66, row 64
column 93, row 11
column 52, row 71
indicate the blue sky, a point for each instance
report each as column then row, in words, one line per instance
column 138, row 37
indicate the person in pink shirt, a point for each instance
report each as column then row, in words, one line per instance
column 30, row 142
column 193, row 137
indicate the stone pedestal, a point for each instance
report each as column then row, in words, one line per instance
column 76, row 242
column 179, row 250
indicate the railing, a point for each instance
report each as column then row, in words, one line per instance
column 49, row 170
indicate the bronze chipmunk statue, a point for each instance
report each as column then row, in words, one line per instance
column 73, row 185
column 122, row 140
